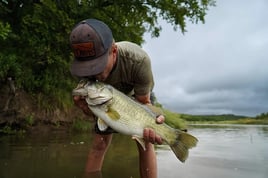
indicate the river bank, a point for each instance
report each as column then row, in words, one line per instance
column 23, row 112
column 246, row 121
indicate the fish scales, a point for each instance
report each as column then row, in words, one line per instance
column 139, row 116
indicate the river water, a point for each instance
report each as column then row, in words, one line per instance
column 223, row 151
column 233, row 151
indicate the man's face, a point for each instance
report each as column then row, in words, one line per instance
column 109, row 66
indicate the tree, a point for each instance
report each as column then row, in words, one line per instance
column 34, row 34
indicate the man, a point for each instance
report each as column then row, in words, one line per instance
column 125, row 66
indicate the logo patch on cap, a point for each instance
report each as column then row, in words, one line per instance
column 84, row 50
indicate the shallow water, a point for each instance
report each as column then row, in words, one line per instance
column 232, row 151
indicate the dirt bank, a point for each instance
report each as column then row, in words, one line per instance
column 19, row 109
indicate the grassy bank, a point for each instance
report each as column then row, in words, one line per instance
column 248, row 121
column 225, row 119
column 178, row 120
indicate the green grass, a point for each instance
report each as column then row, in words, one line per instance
column 250, row 121
column 174, row 119
column 181, row 120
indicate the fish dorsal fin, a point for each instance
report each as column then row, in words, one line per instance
column 101, row 125
column 140, row 141
column 113, row 114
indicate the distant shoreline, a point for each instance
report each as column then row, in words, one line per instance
column 247, row 121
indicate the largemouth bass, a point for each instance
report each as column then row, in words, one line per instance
column 125, row 115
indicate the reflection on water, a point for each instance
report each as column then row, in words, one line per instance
column 63, row 155
column 232, row 151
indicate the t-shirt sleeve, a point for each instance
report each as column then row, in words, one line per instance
column 144, row 81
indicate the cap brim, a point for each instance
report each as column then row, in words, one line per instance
column 85, row 68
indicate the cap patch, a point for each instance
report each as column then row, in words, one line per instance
column 84, row 50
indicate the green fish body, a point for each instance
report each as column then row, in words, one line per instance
column 127, row 116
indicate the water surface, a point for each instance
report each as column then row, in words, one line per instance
column 232, row 151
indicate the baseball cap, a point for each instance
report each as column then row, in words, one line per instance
column 90, row 41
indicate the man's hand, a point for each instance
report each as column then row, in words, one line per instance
column 150, row 136
column 80, row 102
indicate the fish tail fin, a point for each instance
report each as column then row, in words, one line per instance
column 182, row 144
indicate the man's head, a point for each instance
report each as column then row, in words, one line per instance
column 90, row 40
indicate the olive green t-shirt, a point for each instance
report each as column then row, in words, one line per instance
column 132, row 71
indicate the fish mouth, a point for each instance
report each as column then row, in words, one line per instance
column 98, row 96
column 95, row 93
column 97, row 101
column 79, row 92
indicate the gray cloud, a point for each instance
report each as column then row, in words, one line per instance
column 219, row 67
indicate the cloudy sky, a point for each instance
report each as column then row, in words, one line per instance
column 220, row 67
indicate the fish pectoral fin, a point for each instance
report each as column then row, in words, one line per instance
column 101, row 124
column 140, row 141
column 113, row 114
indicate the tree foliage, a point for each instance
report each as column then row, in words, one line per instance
column 34, row 34
column 262, row 116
